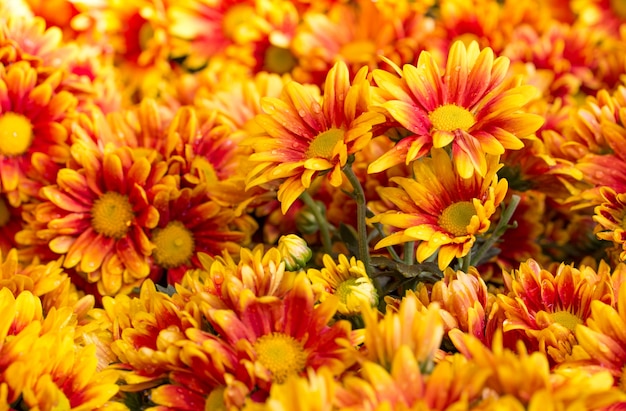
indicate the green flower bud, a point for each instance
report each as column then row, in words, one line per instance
column 295, row 251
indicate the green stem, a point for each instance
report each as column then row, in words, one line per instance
column 361, row 213
column 409, row 252
column 507, row 213
column 321, row 221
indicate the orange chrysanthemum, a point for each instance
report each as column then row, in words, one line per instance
column 33, row 129
column 441, row 210
column 304, row 137
column 190, row 223
column 471, row 107
column 548, row 306
column 99, row 214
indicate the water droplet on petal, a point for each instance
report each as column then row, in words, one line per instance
column 457, row 68
column 316, row 108
column 301, row 112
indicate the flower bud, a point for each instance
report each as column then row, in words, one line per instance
column 295, row 251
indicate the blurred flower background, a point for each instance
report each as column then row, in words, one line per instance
column 312, row 205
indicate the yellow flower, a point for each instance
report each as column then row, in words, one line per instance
column 440, row 209
column 411, row 324
column 347, row 280
column 303, row 137
column 472, row 108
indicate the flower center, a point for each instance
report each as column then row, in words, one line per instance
column 112, row 214
column 451, row 117
column 344, row 289
column 456, row 217
column 16, row 134
column 281, row 354
column 174, row 245
column 323, row 145
column 278, row 60
column 566, row 319
column 5, row 214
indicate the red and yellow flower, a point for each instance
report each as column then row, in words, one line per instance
column 304, row 137
column 33, row 129
column 440, row 209
column 472, row 107
column 548, row 306
column 98, row 216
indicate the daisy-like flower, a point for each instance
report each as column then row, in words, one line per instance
column 33, row 129
column 410, row 324
column 452, row 384
column 189, row 224
column 347, row 280
column 610, row 218
column 359, row 33
column 304, row 137
column 56, row 373
column 441, row 210
column 279, row 338
column 548, row 306
column 519, row 380
column 223, row 278
column 471, row 107
column 465, row 302
column 98, row 216
column 602, row 340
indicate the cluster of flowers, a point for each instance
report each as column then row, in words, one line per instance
column 313, row 205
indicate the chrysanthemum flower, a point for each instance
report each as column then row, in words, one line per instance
column 548, row 307
column 56, row 373
column 602, row 338
column 452, row 384
column 304, row 137
column 471, row 106
column 222, row 279
column 566, row 54
column 201, row 29
column 441, row 210
column 27, row 38
column 610, row 218
column 359, row 33
column 347, row 280
column 520, row 380
column 279, row 338
column 465, row 302
column 99, row 216
column 607, row 15
column 189, row 224
column 33, row 129
column 317, row 386
column 410, row 324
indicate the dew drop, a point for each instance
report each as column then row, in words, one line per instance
column 457, row 68
column 316, row 108
column 301, row 112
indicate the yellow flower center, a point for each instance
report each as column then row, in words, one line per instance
column 281, row 354
column 16, row 134
column 279, row 60
column 456, row 217
column 322, row 146
column 451, row 117
column 5, row 214
column 174, row 245
column 112, row 214
column 344, row 289
column 566, row 319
